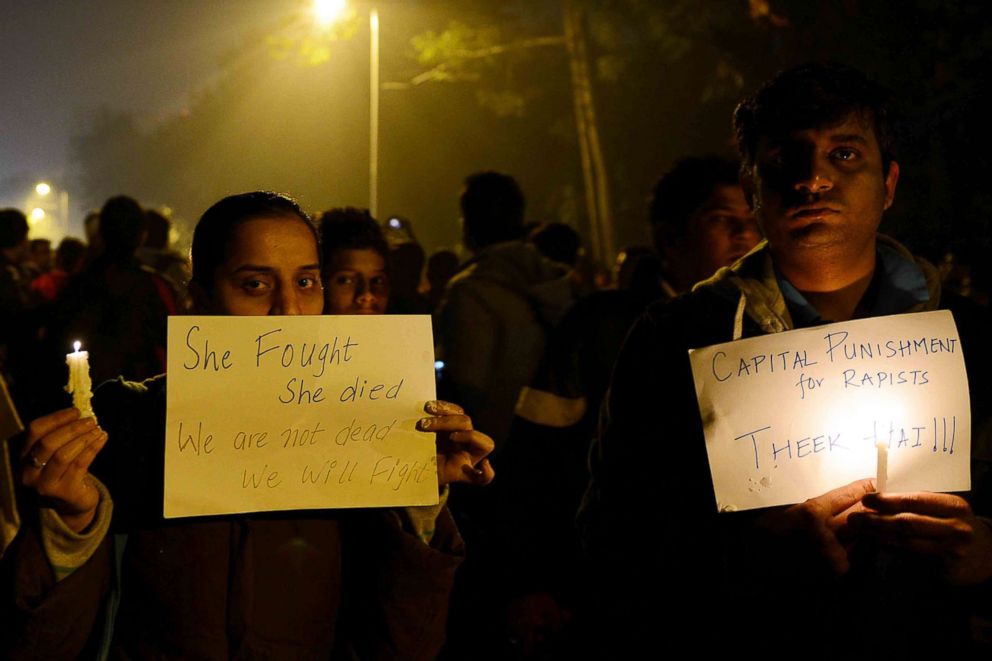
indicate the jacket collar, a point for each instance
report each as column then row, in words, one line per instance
column 901, row 284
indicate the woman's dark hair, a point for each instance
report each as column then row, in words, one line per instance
column 217, row 224
column 348, row 228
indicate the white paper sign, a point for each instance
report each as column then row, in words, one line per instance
column 793, row 415
column 276, row 413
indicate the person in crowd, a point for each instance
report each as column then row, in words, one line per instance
column 407, row 264
column 848, row 572
column 558, row 242
column 317, row 584
column 497, row 313
column 39, row 257
column 117, row 307
column 637, row 267
column 355, row 260
column 94, row 243
column 441, row 267
column 70, row 257
column 157, row 253
column 15, row 295
column 699, row 220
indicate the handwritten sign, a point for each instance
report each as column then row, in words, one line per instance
column 793, row 415
column 276, row 413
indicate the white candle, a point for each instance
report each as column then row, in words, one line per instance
column 79, row 384
column 882, row 466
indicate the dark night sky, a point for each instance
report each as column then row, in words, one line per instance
column 269, row 123
column 62, row 60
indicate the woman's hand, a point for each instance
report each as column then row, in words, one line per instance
column 461, row 450
column 55, row 462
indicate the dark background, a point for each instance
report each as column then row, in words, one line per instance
column 181, row 102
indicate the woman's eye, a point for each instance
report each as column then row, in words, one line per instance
column 306, row 282
column 254, row 285
column 344, row 280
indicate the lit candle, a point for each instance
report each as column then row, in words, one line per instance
column 882, row 466
column 79, row 384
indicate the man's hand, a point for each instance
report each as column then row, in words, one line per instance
column 55, row 462
column 817, row 525
column 461, row 450
column 939, row 525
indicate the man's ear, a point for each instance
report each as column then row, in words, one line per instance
column 665, row 238
column 746, row 179
column 891, row 179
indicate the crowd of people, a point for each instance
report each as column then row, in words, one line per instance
column 576, row 514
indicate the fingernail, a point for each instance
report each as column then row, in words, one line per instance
column 431, row 406
column 425, row 423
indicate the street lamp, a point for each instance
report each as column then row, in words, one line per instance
column 51, row 205
column 326, row 13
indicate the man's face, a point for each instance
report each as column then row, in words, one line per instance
column 821, row 189
column 719, row 232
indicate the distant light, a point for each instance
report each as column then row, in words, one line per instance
column 76, row 345
column 326, row 12
column 395, row 223
column 43, row 189
column 37, row 214
column 439, row 364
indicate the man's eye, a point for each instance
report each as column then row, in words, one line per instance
column 344, row 280
column 844, row 154
column 379, row 281
column 306, row 282
column 254, row 285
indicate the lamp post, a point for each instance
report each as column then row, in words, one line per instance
column 326, row 13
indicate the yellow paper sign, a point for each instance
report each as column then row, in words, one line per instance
column 793, row 415
column 278, row 413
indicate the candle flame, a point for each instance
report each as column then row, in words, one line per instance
column 76, row 345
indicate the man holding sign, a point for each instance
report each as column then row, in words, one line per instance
column 849, row 569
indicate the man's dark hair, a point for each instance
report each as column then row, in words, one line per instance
column 213, row 232
column 814, row 95
column 13, row 228
column 492, row 208
column 558, row 242
column 158, row 230
column 122, row 226
column 684, row 188
column 69, row 254
column 348, row 228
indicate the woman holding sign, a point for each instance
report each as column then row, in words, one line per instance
column 305, row 584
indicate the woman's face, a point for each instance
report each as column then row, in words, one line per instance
column 271, row 268
column 357, row 283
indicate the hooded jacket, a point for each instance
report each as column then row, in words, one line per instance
column 494, row 324
column 650, row 519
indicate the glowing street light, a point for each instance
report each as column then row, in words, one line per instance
column 42, row 189
column 327, row 12
column 37, row 214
